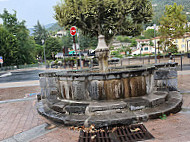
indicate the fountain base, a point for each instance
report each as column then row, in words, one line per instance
column 107, row 113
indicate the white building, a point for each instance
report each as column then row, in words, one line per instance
column 152, row 27
column 61, row 33
column 146, row 49
column 141, row 42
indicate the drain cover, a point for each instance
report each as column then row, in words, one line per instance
column 131, row 133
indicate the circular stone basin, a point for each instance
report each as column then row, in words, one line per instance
column 117, row 83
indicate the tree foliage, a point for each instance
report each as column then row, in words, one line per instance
column 52, row 46
column 16, row 45
column 148, row 34
column 40, row 33
column 159, row 6
column 173, row 24
column 107, row 17
column 8, row 46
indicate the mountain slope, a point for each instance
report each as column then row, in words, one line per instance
column 159, row 6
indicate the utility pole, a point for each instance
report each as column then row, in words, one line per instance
column 44, row 52
column 79, row 50
column 155, row 43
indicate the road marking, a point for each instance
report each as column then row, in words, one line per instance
column 17, row 100
column 31, row 134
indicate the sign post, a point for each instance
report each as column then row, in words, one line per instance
column 73, row 32
column 80, row 51
column 1, row 61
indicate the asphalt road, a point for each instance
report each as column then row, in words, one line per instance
column 30, row 75
column 18, row 76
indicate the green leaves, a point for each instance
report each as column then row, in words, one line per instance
column 40, row 33
column 16, row 46
column 52, row 45
column 173, row 25
column 96, row 17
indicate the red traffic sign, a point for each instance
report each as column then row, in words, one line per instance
column 73, row 31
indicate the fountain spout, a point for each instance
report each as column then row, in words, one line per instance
column 102, row 52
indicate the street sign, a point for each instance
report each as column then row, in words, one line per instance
column 73, row 31
column 1, row 59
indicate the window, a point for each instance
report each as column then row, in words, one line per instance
column 183, row 40
column 183, row 46
column 146, row 48
column 176, row 41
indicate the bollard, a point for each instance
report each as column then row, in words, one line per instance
column 143, row 60
column 149, row 59
column 121, row 62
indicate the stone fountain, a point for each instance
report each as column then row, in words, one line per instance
column 109, row 96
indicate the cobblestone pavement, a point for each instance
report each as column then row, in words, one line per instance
column 176, row 128
column 18, row 117
column 17, row 92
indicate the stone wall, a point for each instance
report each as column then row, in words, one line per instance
column 166, row 77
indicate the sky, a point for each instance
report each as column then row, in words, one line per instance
column 31, row 10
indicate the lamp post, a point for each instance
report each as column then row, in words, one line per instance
column 188, row 45
column 155, row 42
column 80, row 51
column 44, row 52
column 188, row 54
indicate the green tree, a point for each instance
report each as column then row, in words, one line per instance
column 133, row 43
column 107, row 17
column 23, row 46
column 86, row 42
column 8, row 47
column 52, row 46
column 173, row 25
column 40, row 33
column 148, row 34
column 67, row 41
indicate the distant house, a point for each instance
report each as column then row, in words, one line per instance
column 182, row 43
column 152, row 27
column 61, row 33
column 146, row 49
column 141, row 42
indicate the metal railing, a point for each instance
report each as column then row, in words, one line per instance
column 6, row 68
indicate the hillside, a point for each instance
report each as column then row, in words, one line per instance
column 54, row 27
column 159, row 6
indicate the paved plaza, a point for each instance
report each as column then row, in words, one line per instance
column 19, row 120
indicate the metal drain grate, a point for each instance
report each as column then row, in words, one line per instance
column 94, row 136
column 130, row 133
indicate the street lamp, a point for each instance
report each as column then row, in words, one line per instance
column 188, row 54
column 44, row 51
column 188, row 45
column 155, row 42
column 80, row 51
